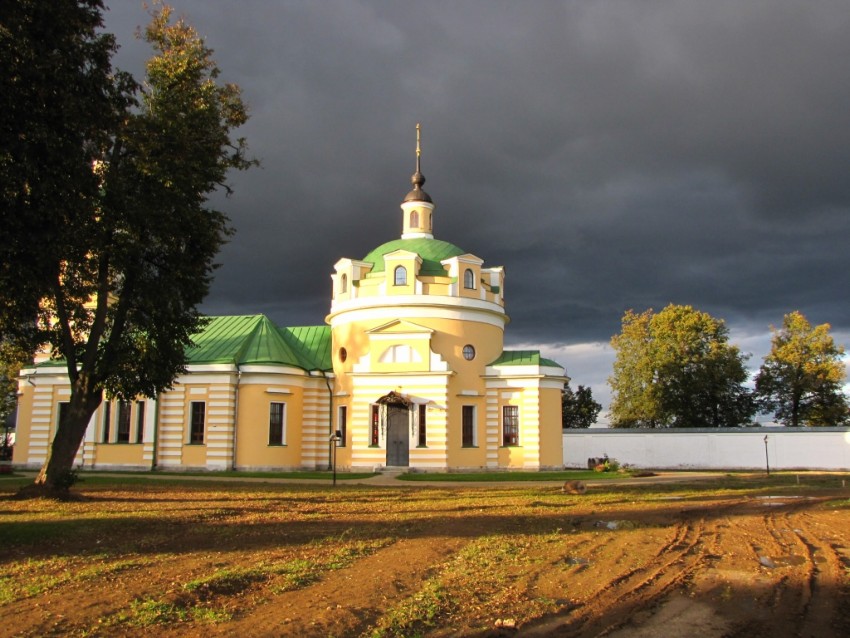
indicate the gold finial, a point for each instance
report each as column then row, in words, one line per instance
column 418, row 150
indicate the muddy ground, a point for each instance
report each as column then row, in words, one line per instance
column 740, row 556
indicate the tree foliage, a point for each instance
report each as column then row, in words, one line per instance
column 578, row 409
column 800, row 379
column 116, row 237
column 636, row 400
column 12, row 359
column 676, row 368
column 57, row 109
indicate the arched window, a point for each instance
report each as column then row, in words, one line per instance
column 414, row 219
column 401, row 353
column 400, row 276
column 469, row 279
column 343, row 283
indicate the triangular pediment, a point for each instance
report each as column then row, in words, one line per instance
column 402, row 254
column 399, row 327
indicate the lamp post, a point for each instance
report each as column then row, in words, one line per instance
column 335, row 438
column 766, row 458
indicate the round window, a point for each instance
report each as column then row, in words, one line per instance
column 343, row 354
column 468, row 352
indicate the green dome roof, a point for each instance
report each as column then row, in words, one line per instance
column 432, row 252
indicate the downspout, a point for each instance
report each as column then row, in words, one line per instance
column 235, row 416
column 330, row 416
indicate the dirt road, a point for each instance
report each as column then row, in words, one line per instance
column 735, row 558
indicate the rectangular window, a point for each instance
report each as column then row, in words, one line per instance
column 423, row 441
column 196, row 425
column 122, row 433
column 342, row 424
column 140, row 421
column 107, row 417
column 510, row 425
column 376, row 415
column 469, row 438
column 277, row 424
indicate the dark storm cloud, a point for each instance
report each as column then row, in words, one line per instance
column 610, row 155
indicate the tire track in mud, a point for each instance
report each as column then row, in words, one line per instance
column 824, row 580
column 616, row 600
column 810, row 580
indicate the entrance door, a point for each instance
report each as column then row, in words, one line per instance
column 398, row 437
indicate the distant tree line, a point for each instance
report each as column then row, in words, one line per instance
column 676, row 368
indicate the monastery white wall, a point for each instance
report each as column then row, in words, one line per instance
column 713, row 449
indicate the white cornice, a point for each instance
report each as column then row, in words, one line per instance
column 416, row 306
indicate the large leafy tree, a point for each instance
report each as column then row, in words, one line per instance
column 676, row 368
column 800, row 379
column 636, row 400
column 118, row 261
column 578, row 409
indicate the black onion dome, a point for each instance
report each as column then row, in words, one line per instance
column 417, row 194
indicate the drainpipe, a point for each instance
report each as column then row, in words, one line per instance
column 330, row 415
column 235, row 416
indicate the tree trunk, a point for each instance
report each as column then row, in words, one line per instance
column 55, row 477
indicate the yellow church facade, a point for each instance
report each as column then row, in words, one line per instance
column 409, row 371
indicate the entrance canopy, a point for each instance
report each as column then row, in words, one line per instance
column 395, row 399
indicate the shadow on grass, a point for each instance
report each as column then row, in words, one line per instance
column 204, row 517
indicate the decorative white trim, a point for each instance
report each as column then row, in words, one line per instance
column 417, row 307
column 417, row 235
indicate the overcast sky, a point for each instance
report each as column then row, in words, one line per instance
column 610, row 155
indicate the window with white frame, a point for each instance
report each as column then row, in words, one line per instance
column 122, row 429
column 510, row 425
column 470, row 433
column 107, row 419
column 140, row 421
column 469, row 279
column 400, row 353
column 423, row 438
column 342, row 424
column 197, row 422
column 374, row 425
column 400, row 276
column 277, row 423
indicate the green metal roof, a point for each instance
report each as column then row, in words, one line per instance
column 312, row 343
column 432, row 252
column 254, row 339
column 524, row 358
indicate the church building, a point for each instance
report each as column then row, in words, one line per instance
column 408, row 372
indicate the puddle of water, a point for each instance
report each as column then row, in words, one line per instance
column 772, row 562
column 575, row 560
column 615, row 524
